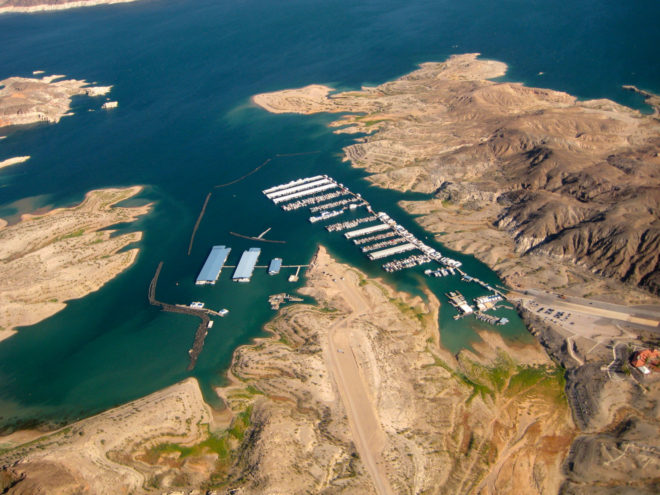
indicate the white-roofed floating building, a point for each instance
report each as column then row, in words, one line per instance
column 213, row 265
column 246, row 264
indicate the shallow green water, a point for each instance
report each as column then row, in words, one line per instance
column 183, row 73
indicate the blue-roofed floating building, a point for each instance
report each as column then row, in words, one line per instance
column 214, row 263
column 274, row 267
column 246, row 265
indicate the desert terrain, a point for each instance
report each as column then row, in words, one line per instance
column 560, row 197
column 550, row 191
column 352, row 395
column 48, row 259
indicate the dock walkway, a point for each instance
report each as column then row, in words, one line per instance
column 202, row 329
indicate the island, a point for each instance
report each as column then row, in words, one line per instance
column 31, row 6
column 354, row 394
column 26, row 100
column 64, row 254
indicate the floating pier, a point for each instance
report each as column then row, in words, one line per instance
column 313, row 200
column 457, row 300
column 372, row 238
column 334, row 204
column 295, row 189
column 306, row 192
column 337, row 227
column 292, row 184
column 409, row 262
column 384, row 253
column 366, row 230
column 202, row 329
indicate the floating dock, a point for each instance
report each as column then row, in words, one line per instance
column 384, row 253
column 213, row 265
column 306, row 192
column 457, row 300
column 246, row 264
column 366, row 230
column 274, row 267
column 302, row 187
column 292, row 184
column 486, row 302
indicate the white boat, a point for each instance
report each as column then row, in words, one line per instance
column 325, row 215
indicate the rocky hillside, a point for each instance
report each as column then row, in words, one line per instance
column 576, row 181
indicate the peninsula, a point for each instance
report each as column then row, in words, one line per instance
column 560, row 197
column 31, row 6
column 46, row 260
column 25, row 100
column 355, row 394
column 520, row 177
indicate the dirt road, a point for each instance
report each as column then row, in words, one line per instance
column 368, row 435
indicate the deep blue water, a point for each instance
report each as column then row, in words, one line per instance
column 183, row 73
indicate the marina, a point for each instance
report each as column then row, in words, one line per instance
column 491, row 320
column 409, row 262
column 384, row 239
column 291, row 184
column 457, row 300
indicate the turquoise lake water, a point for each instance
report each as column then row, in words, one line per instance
column 183, row 73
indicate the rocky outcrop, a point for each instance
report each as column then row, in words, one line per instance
column 26, row 100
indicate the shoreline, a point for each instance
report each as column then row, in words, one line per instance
column 14, row 161
column 64, row 254
column 55, row 7
column 512, row 170
column 343, row 396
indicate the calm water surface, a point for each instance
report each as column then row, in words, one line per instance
column 183, row 73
